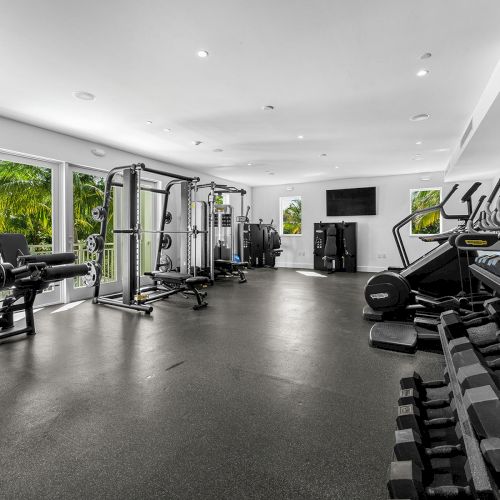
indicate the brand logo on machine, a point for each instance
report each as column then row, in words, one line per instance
column 382, row 295
column 476, row 243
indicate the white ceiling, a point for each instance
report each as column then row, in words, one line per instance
column 340, row 73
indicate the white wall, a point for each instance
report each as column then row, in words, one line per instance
column 21, row 138
column 375, row 238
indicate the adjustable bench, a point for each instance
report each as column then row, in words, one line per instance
column 231, row 268
column 28, row 275
column 174, row 282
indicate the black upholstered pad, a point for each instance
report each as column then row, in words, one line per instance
column 12, row 245
column 170, row 276
column 197, row 280
column 174, row 277
column 229, row 264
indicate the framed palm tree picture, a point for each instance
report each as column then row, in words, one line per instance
column 291, row 215
column 426, row 223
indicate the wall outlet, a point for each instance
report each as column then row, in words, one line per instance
column 381, row 256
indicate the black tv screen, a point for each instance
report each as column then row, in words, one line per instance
column 357, row 201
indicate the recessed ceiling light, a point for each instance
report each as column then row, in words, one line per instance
column 149, row 122
column 202, row 53
column 418, row 143
column 323, row 154
column 98, row 152
column 84, row 96
column 425, row 178
column 249, row 164
column 418, row 158
column 426, row 55
column 422, row 72
column 420, row 117
column 268, row 108
column 300, row 137
column 442, row 150
column 218, row 150
column 196, row 143
column 336, row 166
column 167, row 130
column 290, row 188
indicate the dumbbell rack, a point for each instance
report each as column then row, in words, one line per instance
column 483, row 484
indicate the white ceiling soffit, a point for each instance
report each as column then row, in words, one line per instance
column 342, row 74
column 478, row 153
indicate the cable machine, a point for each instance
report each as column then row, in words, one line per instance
column 223, row 242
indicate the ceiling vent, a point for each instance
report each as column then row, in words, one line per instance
column 467, row 132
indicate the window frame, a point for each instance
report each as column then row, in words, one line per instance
column 414, row 190
column 292, row 197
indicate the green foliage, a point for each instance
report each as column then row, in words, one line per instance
column 430, row 222
column 26, row 203
column 219, row 199
column 292, row 217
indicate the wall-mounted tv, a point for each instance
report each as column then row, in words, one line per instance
column 357, row 201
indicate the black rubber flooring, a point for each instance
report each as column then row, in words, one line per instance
column 271, row 392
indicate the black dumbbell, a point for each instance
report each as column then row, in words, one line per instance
column 412, row 397
column 409, row 417
column 455, row 326
column 483, row 407
column 409, row 446
column 490, row 448
column 475, row 375
column 463, row 354
column 406, row 481
column 415, row 382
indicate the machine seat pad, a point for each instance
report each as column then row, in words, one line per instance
column 175, row 277
column 229, row 263
column 197, row 280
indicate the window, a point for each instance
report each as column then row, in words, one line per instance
column 430, row 222
column 291, row 215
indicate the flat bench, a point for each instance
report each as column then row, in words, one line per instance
column 176, row 282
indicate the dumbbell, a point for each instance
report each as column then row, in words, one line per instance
column 455, row 326
column 409, row 417
column 490, row 448
column 406, row 481
column 415, row 382
column 474, row 375
column 412, row 397
column 483, row 407
column 463, row 354
column 409, row 446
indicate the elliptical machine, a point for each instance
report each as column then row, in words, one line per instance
column 443, row 271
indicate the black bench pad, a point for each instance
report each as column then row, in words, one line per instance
column 229, row 264
column 175, row 277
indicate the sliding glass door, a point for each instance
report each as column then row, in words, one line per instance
column 85, row 191
column 29, row 205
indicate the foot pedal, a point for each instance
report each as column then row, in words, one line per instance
column 400, row 337
column 370, row 314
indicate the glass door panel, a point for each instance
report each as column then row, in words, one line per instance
column 28, row 205
column 85, row 191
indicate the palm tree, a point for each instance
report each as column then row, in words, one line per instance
column 430, row 222
column 26, row 201
column 292, row 217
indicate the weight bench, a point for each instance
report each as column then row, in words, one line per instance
column 28, row 275
column 230, row 268
column 174, row 282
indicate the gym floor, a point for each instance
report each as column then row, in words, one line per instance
column 271, row 392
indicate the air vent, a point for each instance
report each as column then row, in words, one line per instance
column 467, row 132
